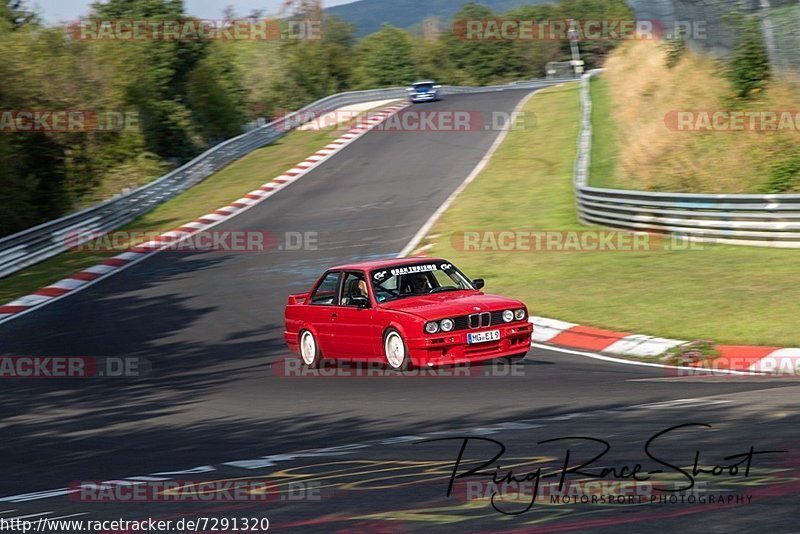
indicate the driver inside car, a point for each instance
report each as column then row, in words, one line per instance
column 416, row 284
column 362, row 288
column 356, row 287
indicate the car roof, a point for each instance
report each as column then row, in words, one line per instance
column 382, row 264
column 421, row 82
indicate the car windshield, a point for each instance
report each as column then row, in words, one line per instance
column 423, row 86
column 409, row 280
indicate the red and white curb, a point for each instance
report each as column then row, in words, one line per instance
column 744, row 358
column 91, row 275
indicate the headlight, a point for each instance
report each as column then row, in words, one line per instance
column 432, row 327
column 508, row 316
column 519, row 314
column 447, row 325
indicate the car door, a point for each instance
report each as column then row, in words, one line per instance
column 354, row 330
column 321, row 309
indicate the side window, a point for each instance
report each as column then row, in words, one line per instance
column 327, row 289
column 355, row 285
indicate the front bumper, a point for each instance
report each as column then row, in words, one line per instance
column 423, row 97
column 452, row 347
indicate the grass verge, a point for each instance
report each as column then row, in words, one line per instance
column 603, row 160
column 216, row 191
column 732, row 295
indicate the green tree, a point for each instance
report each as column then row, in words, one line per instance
column 478, row 61
column 385, row 58
column 215, row 96
column 178, row 119
column 748, row 64
column 14, row 14
column 593, row 51
column 533, row 54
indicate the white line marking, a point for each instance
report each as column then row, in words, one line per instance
column 66, row 516
column 29, row 300
column 27, row 516
column 127, row 256
column 595, row 356
column 680, row 403
column 228, row 209
column 641, row 345
column 68, row 283
column 212, row 216
column 412, row 245
column 99, row 269
column 194, row 224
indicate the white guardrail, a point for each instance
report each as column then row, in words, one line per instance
column 36, row 244
column 760, row 220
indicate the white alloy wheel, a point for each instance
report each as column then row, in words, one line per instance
column 309, row 351
column 394, row 348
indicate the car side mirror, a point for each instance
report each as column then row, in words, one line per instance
column 360, row 301
column 478, row 283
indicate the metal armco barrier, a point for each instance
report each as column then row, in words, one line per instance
column 36, row 244
column 761, row 220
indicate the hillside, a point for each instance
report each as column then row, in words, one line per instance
column 637, row 145
column 369, row 15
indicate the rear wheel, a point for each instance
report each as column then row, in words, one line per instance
column 309, row 349
column 395, row 350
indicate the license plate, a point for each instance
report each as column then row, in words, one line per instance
column 481, row 337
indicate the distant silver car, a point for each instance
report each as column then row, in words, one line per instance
column 423, row 91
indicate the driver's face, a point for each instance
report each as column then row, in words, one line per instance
column 418, row 283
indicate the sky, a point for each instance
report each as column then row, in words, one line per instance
column 70, row 10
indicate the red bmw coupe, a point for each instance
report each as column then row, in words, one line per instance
column 406, row 312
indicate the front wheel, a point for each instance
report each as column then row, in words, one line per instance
column 395, row 350
column 309, row 349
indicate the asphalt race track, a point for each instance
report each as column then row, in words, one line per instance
column 352, row 453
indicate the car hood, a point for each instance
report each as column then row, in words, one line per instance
column 451, row 304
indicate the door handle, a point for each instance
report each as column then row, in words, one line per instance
column 334, row 315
